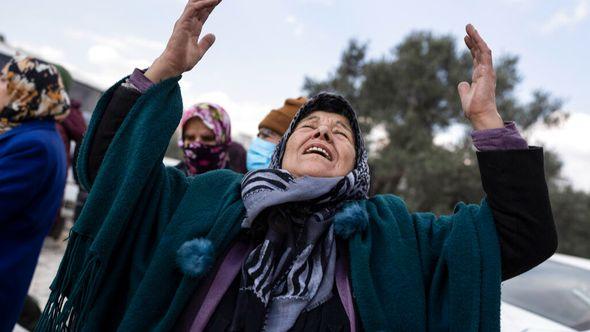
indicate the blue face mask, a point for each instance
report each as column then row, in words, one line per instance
column 259, row 154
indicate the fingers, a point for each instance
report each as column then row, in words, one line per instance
column 205, row 44
column 474, row 35
column 195, row 8
column 200, row 4
column 202, row 8
column 482, row 53
column 469, row 43
column 204, row 14
column 472, row 49
column 194, row 16
column 463, row 89
column 191, row 5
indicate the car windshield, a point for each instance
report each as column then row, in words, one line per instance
column 555, row 291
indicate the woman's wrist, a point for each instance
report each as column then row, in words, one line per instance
column 138, row 81
column 506, row 138
column 159, row 71
column 489, row 120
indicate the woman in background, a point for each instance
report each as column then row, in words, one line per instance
column 270, row 131
column 32, row 173
column 206, row 141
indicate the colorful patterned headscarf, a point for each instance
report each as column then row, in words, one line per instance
column 36, row 91
column 199, row 157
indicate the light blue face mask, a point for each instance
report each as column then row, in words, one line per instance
column 259, row 154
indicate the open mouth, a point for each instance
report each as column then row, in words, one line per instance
column 318, row 150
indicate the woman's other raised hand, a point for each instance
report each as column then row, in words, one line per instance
column 478, row 99
column 185, row 47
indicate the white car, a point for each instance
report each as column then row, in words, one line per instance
column 554, row 296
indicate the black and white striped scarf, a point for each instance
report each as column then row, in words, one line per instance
column 292, row 270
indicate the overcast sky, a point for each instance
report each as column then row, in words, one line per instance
column 265, row 48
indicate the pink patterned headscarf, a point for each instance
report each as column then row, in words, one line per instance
column 214, row 117
column 199, row 157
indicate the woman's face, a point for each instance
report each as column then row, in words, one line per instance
column 196, row 131
column 322, row 145
column 4, row 97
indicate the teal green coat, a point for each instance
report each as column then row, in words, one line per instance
column 409, row 271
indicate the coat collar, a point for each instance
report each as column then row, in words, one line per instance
column 26, row 126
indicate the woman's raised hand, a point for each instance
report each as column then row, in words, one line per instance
column 478, row 99
column 185, row 48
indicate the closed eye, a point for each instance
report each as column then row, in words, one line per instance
column 343, row 134
column 306, row 126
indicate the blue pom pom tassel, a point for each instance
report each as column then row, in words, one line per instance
column 195, row 257
column 351, row 219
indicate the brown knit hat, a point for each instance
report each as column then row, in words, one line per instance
column 278, row 120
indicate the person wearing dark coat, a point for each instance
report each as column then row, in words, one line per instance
column 297, row 246
column 237, row 157
column 32, row 173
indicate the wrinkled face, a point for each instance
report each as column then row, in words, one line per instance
column 322, row 145
column 195, row 130
column 4, row 97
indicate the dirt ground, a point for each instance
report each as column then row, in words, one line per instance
column 49, row 260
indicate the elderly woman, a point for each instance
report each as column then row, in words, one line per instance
column 295, row 247
column 32, row 173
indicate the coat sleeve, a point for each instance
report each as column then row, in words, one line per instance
column 23, row 169
column 515, row 186
column 516, row 193
column 120, row 158
column 419, row 271
column 132, row 199
column 116, row 111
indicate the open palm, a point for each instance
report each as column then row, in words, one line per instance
column 185, row 47
column 478, row 99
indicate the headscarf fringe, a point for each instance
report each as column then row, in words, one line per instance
column 68, row 303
